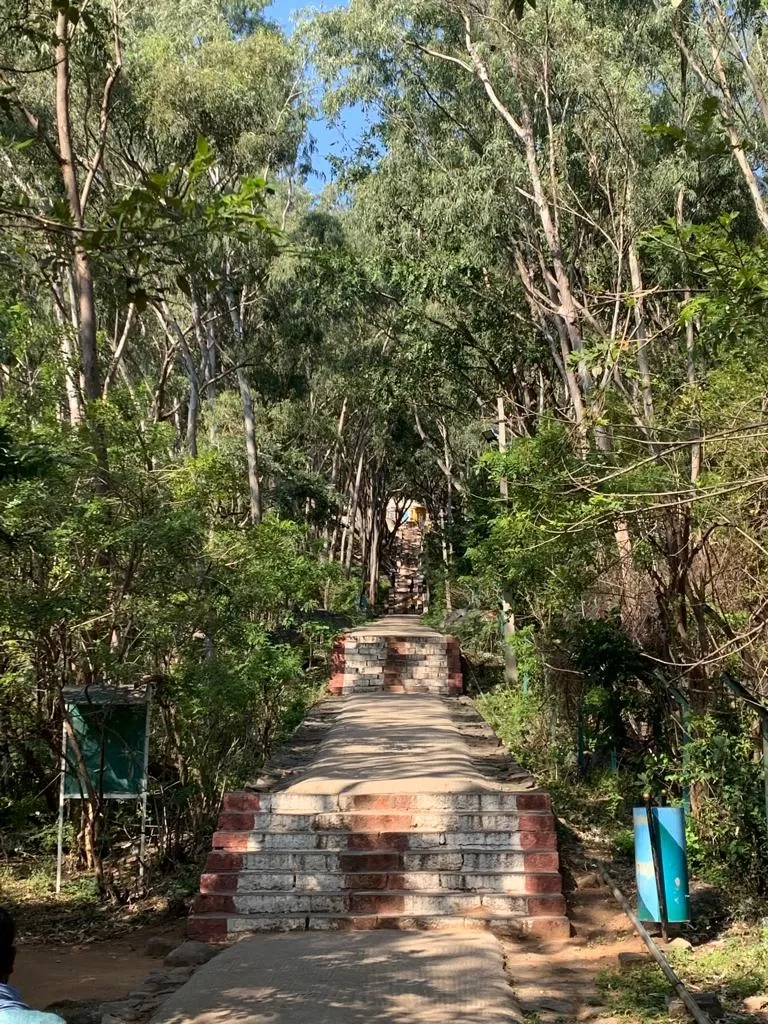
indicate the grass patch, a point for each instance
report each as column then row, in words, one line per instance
column 734, row 968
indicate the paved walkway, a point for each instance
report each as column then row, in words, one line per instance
column 392, row 742
column 350, row 978
column 395, row 625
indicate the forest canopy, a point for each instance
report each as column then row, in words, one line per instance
column 532, row 297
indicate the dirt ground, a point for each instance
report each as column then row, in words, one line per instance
column 558, row 970
column 554, row 979
column 98, row 970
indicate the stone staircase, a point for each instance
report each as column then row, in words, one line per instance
column 397, row 655
column 289, row 861
column 408, row 595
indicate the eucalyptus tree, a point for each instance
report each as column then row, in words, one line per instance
column 517, row 164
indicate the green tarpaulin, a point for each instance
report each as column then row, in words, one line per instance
column 111, row 739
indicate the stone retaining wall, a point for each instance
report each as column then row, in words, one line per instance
column 421, row 663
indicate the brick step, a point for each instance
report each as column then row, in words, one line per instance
column 377, row 901
column 519, row 883
column 443, row 859
column 535, row 839
column 376, row 821
column 289, row 802
column 214, row 927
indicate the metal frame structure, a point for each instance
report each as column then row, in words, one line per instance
column 104, row 697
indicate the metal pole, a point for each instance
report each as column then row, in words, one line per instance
column 62, row 781
column 695, row 1010
column 657, row 867
column 144, row 786
column 764, row 723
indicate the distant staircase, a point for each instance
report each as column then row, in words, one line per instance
column 295, row 861
column 408, row 595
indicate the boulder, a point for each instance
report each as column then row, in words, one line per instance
column 191, row 954
column 628, row 961
column 160, row 946
column 709, row 1002
column 126, row 1010
column 170, row 979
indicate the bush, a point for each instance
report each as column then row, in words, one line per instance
column 722, row 769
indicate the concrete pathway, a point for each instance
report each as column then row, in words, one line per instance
column 350, row 978
column 392, row 742
column 395, row 625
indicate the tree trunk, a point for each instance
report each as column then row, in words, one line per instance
column 330, row 537
column 643, row 364
column 254, row 483
column 690, row 360
column 86, row 303
column 446, row 518
column 373, row 560
column 74, row 402
column 352, row 524
column 249, row 424
column 507, row 611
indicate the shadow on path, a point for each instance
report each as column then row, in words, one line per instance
column 348, row 978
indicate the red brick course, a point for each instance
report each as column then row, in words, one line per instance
column 383, row 801
column 373, row 903
column 236, row 821
column 237, row 841
column 537, row 823
column 242, row 801
column 370, row 862
column 541, row 862
column 338, row 661
column 455, row 675
column 543, row 839
column 546, row 906
column 215, row 882
column 207, row 929
column 551, row 928
column 219, row 860
column 533, row 802
column 550, row 884
column 213, row 903
column 378, row 822
column 376, row 841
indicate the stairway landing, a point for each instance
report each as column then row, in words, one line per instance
column 394, row 824
column 398, row 654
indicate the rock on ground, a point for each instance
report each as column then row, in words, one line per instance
column 160, row 946
column 628, row 961
column 73, row 1011
column 191, row 954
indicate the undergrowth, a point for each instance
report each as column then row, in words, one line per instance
column 734, row 968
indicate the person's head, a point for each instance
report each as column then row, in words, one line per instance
column 7, row 948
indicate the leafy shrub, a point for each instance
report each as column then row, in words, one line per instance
column 722, row 769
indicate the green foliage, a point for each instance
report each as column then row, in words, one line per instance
column 213, row 383
column 618, row 683
column 721, row 767
column 516, row 717
column 735, row 967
